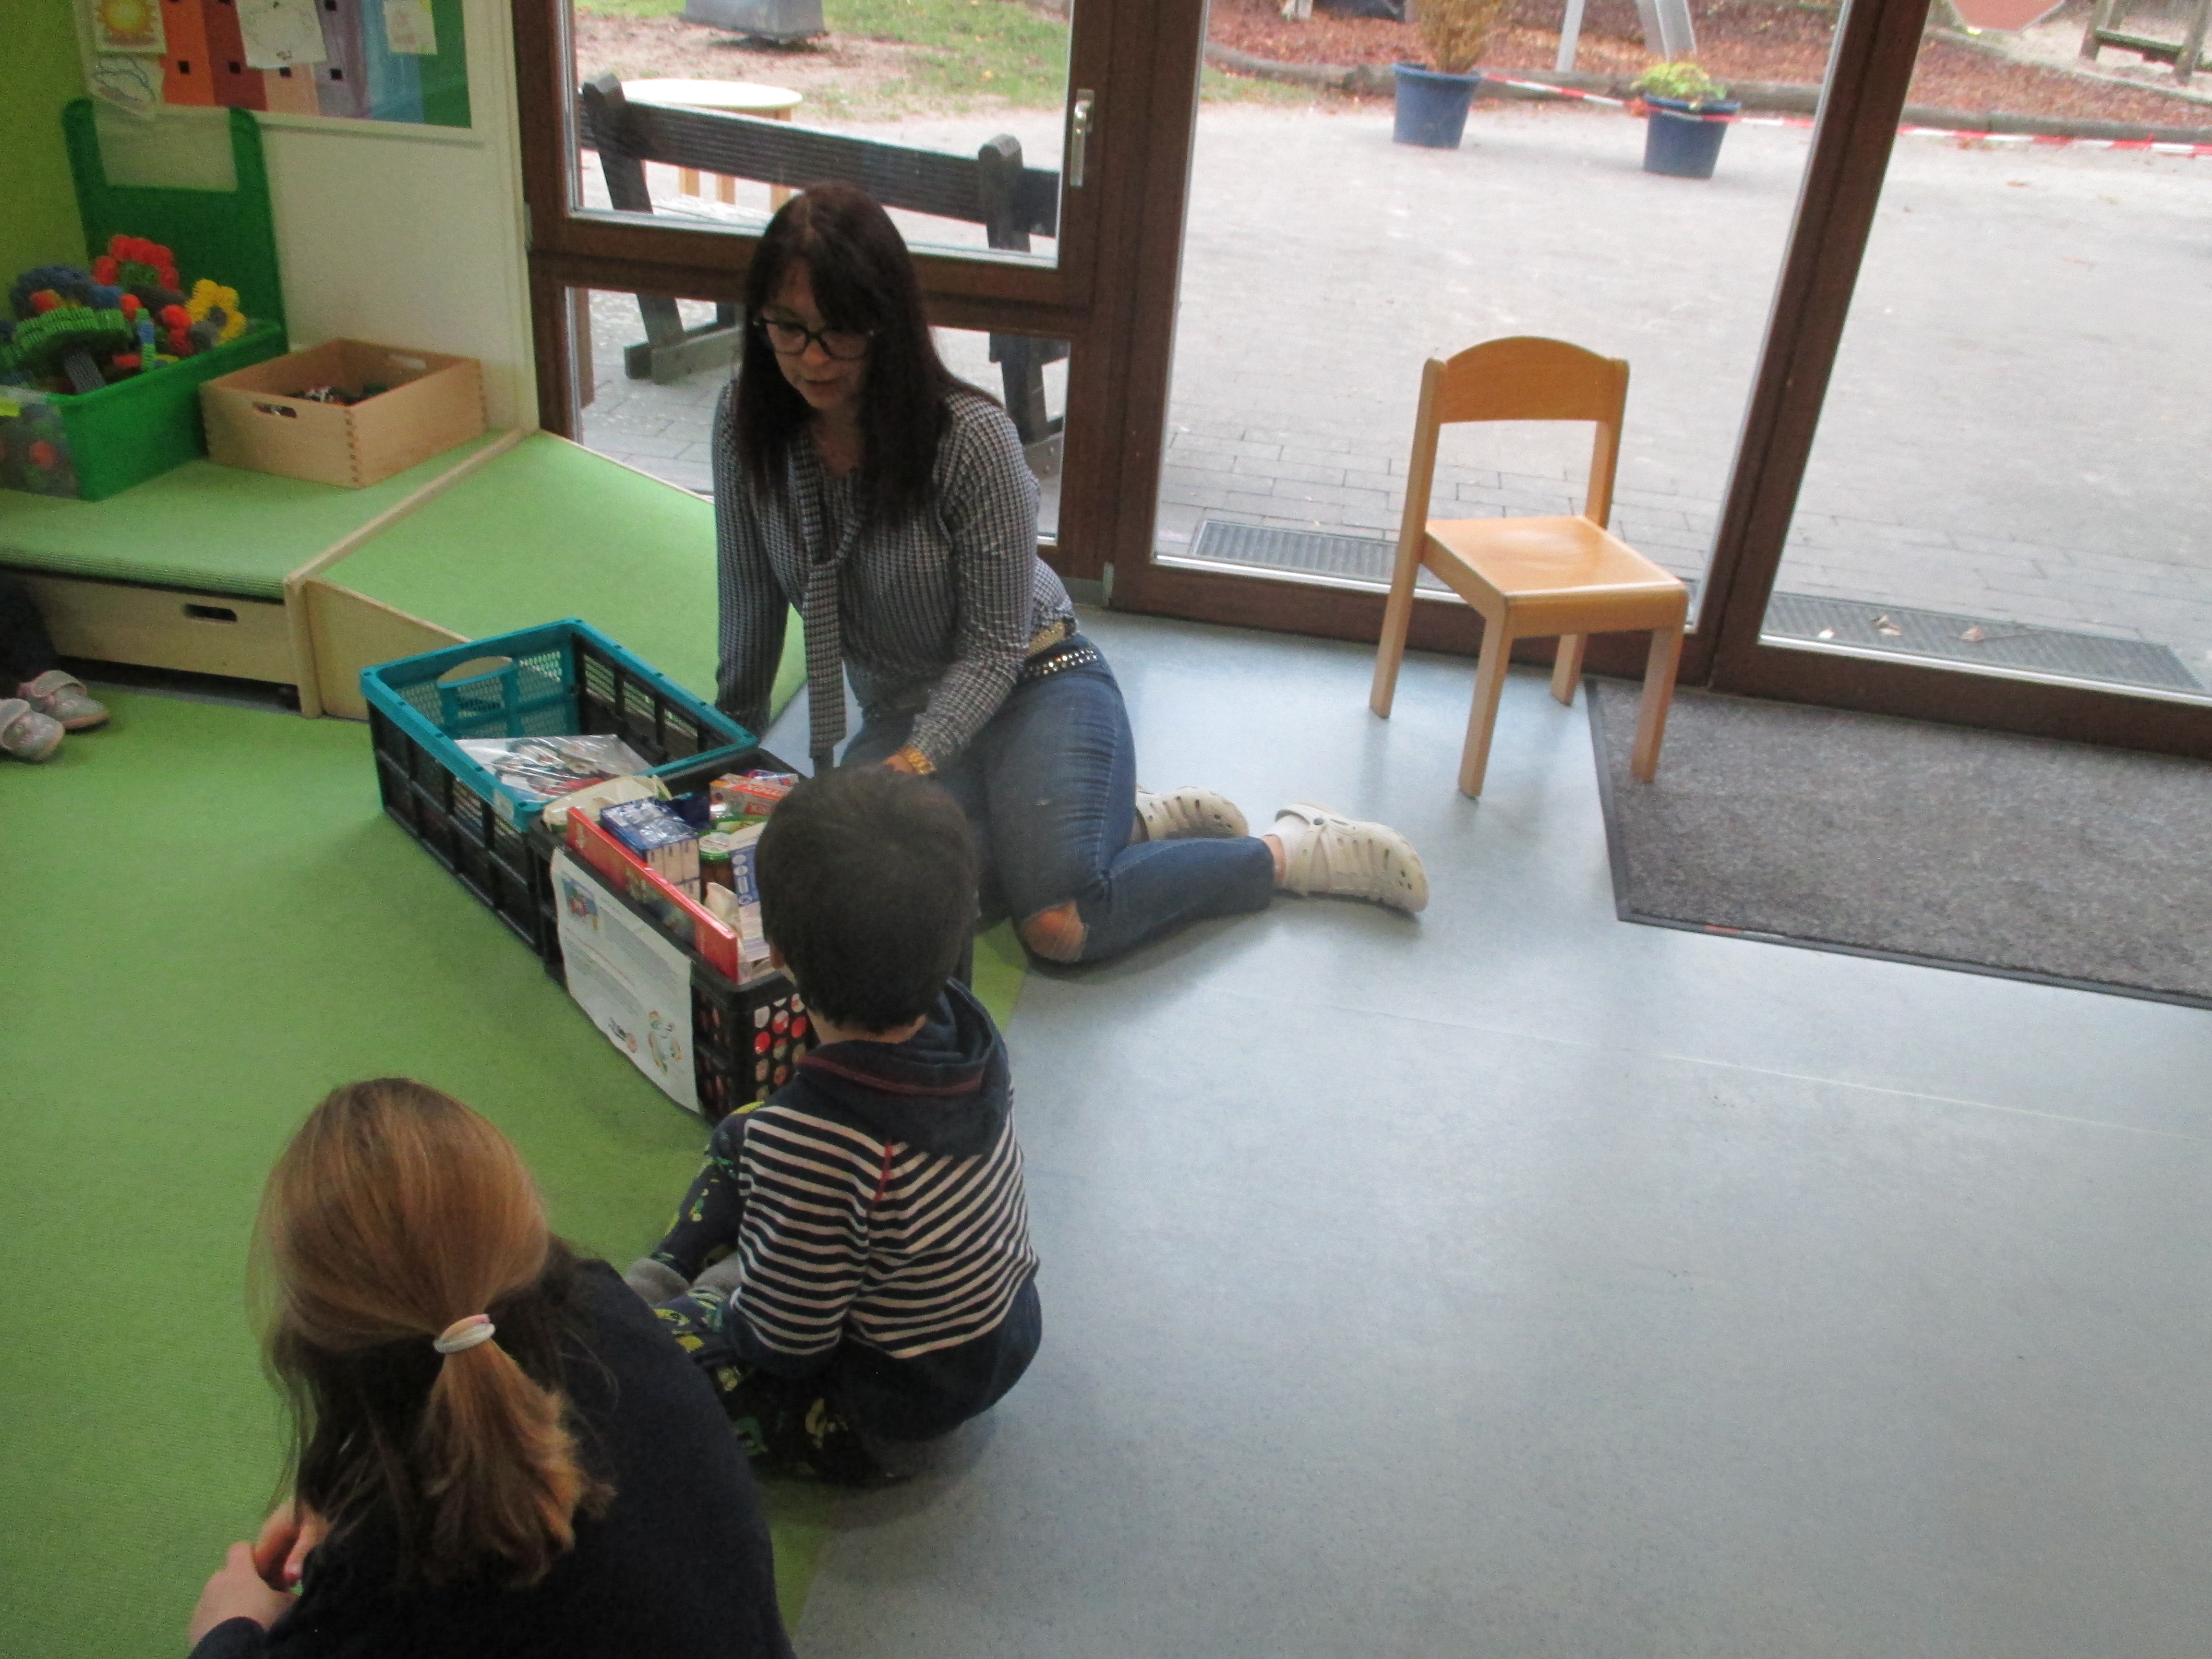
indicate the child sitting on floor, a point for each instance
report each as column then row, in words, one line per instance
column 853, row 1264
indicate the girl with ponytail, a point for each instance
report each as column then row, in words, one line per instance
column 497, row 1449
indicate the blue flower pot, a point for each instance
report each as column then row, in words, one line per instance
column 1432, row 106
column 1679, row 141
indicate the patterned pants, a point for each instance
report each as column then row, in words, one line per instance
column 706, row 1225
column 788, row 1426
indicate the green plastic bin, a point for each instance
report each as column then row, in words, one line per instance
column 99, row 444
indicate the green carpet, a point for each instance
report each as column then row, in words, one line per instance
column 220, row 529
column 551, row 529
column 631, row 555
column 210, row 924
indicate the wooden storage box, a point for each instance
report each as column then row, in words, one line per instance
column 255, row 420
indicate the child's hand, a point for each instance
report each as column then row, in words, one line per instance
column 236, row 1592
column 288, row 1537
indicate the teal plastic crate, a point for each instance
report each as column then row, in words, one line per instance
column 564, row 677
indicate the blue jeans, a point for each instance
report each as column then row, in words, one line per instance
column 1049, row 786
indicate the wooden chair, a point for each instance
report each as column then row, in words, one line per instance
column 1532, row 577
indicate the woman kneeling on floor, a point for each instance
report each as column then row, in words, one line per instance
column 856, row 479
column 500, row 1451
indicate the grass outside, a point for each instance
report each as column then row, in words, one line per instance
column 1000, row 49
column 959, row 52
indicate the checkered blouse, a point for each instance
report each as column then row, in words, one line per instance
column 936, row 615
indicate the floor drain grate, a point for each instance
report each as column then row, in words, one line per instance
column 1978, row 641
column 1305, row 552
column 1891, row 630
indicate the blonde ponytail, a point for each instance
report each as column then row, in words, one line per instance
column 498, row 1468
column 397, row 1221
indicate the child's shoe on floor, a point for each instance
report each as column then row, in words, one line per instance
column 62, row 699
column 26, row 733
column 1188, row 813
column 1324, row 852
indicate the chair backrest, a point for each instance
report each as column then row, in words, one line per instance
column 1522, row 378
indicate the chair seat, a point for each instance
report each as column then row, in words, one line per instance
column 1532, row 577
column 1555, row 575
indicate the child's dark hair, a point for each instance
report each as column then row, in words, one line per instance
column 867, row 885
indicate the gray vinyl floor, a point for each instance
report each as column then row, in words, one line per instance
column 1521, row 1282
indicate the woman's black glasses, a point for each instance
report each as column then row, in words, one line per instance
column 789, row 339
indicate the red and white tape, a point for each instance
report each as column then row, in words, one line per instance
column 1630, row 105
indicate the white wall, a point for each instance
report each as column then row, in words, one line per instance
column 406, row 235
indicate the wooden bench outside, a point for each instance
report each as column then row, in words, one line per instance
column 1013, row 202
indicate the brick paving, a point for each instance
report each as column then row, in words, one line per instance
column 2013, row 430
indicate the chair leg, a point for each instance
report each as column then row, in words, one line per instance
column 1658, row 696
column 1567, row 666
column 1397, row 617
column 1489, row 685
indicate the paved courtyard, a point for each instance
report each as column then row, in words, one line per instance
column 2013, row 434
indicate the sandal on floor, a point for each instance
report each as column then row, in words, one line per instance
column 1325, row 852
column 1188, row 813
column 26, row 733
column 62, row 698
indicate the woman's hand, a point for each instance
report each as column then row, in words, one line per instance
column 288, row 1537
column 236, row 1592
column 911, row 760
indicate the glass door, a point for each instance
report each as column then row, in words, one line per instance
column 1999, row 519
column 1323, row 262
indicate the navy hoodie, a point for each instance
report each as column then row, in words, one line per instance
column 886, row 1232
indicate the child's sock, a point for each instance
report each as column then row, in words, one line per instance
column 723, row 1277
column 656, row 1281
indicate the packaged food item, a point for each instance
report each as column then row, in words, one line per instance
column 751, row 795
column 543, row 768
column 667, row 844
column 591, row 798
column 743, row 844
column 743, row 920
column 714, row 863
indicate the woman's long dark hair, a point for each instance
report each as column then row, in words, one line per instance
column 395, row 1212
column 863, row 278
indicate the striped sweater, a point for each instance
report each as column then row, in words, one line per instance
column 885, row 1234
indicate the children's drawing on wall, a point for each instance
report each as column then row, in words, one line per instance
column 368, row 60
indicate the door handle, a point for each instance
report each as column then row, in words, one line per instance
column 1079, row 136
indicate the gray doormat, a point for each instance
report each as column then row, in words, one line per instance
column 1998, row 854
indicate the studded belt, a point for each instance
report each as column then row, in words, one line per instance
column 1075, row 652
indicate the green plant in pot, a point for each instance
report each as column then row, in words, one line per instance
column 1686, row 116
column 1432, row 102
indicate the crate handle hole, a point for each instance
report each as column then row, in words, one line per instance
column 214, row 613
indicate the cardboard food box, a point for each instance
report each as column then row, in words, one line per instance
column 426, row 403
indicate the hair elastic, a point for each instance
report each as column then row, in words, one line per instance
column 463, row 1334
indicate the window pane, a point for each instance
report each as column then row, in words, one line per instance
column 2007, row 472
column 656, row 367
column 1324, row 261
column 903, row 96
